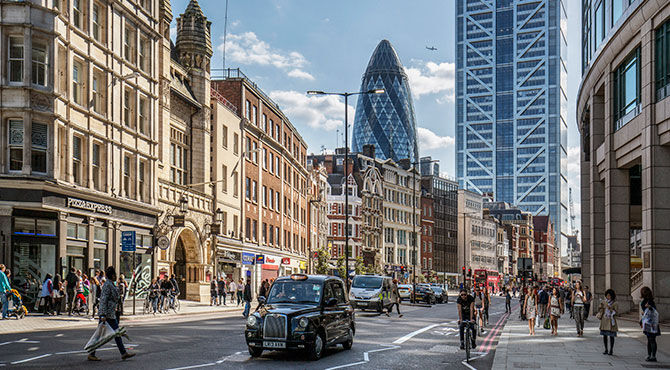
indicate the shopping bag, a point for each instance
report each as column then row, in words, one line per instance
column 650, row 321
column 547, row 325
column 102, row 335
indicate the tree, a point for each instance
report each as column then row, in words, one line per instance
column 340, row 268
column 360, row 267
column 321, row 264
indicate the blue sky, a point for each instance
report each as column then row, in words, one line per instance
column 290, row 46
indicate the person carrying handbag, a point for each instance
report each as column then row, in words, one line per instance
column 607, row 313
column 649, row 322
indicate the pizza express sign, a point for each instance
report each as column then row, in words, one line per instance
column 90, row 206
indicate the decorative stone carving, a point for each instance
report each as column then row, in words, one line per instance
column 40, row 102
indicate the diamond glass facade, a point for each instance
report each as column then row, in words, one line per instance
column 386, row 120
column 511, row 103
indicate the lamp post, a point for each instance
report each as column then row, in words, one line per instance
column 346, row 96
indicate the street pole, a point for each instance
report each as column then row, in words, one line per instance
column 346, row 191
column 414, row 232
column 134, row 278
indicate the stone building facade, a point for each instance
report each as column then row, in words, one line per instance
column 623, row 114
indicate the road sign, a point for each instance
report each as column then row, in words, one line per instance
column 128, row 241
column 163, row 242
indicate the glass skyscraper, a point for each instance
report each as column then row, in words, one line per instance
column 511, row 102
column 386, row 120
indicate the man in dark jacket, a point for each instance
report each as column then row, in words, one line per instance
column 247, row 299
column 543, row 302
column 71, row 283
column 222, row 291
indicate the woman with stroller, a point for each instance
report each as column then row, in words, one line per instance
column 45, row 294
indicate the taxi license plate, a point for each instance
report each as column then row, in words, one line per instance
column 274, row 344
column 362, row 303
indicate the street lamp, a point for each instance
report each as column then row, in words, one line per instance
column 183, row 205
column 346, row 96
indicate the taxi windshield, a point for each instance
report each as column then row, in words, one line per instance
column 295, row 292
column 367, row 282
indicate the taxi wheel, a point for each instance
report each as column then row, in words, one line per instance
column 255, row 352
column 350, row 340
column 316, row 350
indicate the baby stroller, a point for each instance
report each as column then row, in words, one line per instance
column 16, row 307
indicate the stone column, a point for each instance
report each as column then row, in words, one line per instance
column 90, row 246
column 596, row 250
column 62, row 242
column 617, row 233
column 6, row 234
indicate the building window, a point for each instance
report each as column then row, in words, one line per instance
column 15, row 145
column 178, row 157
column 255, row 191
column 265, row 159
column 40, row 64
column 224, row 178
column 15, row 59
column 144, row 118
column 236, row 144
column 77, row 170
column 235, row 185
column 95, row 22
column 265, row 123
column 599, row 22
column 77, row 83
column 38, row 149
column 247, row 189
column 265, row 196
column 95, row 166
column 662, row 61
column 254, row 230
column 144, row 54
column 127, row 189
column 142, row 180
column 77, row 10
column 98, row 100
column 254, row 115
column 224, row 137
column 626, row 90
column 128, row 108
column 129, row 45
column 247, row 110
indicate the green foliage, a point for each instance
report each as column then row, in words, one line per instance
column 340, row 267
column 321, row 263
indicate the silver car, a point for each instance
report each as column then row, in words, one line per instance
column 372, row 292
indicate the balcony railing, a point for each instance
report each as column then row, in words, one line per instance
column 230, row 73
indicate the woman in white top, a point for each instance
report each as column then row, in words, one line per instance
column 530, row 308
column 578, row 300
column 555, row 310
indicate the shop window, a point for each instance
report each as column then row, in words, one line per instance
column 15, row 59
column 100, row 234
column 99, row 258
column 40, row 63
column 77, row 231
column 15, row 144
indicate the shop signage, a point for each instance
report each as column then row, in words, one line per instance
column 271, row 260
column 230, row 256
column 248, row 258
column 128, row 241
column 260, row 259
column 178, row 220
column 285, row 261
column 303, row 265
column 90, row 206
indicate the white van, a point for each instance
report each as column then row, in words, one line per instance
column 372, row 292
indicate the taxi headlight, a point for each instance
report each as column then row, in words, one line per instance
column 252, row 321
column 303, row 323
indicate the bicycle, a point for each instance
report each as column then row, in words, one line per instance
column 479, row 321
column 467, row 336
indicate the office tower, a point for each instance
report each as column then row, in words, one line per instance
column 386, row 120
column 511, row 130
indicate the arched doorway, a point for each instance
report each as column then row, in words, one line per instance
column 187, row 267
column 180, row 267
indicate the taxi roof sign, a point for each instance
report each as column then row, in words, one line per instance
column 298, row 277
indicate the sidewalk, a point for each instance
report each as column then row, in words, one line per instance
column 516, row 349
column 35, row 321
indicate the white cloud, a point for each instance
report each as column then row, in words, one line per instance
column 433, row 78
column 428, row 140
column 299, row 73
column 325, row 112
column 247, row 48
column 173, row 32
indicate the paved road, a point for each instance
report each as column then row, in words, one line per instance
column 426, row 337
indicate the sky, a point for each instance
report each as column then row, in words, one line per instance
column 291, row 46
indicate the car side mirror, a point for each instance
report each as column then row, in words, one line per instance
column 331, row 302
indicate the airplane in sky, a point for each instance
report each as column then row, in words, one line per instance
column 431, row 48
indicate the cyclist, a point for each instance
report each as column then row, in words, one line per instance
column 479, row 306
column 466, row 308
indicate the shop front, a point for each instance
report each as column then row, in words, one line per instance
column 49, row 233
column 270, row 267
column 229, row 264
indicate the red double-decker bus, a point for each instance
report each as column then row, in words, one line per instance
column 488, row 278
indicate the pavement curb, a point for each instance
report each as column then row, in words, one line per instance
column 500, row 358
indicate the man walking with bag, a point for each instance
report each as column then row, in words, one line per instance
column 109, row 305
column 247, row 298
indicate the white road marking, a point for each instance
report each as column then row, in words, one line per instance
column 23, row 340
column 194, row 366
column 31, row 359
column 366, row 358
column 466, row 364
column 97, row 350
column 409, row 336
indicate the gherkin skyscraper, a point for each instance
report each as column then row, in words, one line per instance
column 386, row 120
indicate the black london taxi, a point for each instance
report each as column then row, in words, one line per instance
column 302, row 312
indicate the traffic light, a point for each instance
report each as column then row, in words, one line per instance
column 470, row 272
column 463, row 270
